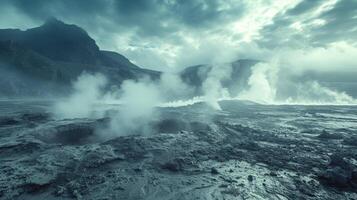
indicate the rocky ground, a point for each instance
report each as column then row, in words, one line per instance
column 245, row 151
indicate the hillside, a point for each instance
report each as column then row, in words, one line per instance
column 38, row 60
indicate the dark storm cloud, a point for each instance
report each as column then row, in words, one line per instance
column 337, row 24
column 304, row 6
column 40, row 9
column 341, row 22
column 150, row 33
column 205, row 13
column 152, row 18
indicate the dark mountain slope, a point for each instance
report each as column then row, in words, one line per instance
column 57, row 41
column 55, row 54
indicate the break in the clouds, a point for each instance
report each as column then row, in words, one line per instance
column 313, row 23
column 166, row 34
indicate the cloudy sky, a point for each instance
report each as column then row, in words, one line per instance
column 169, row 34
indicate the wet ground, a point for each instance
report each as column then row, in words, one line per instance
column 245, row 151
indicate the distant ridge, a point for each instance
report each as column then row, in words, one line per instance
column 43, row 61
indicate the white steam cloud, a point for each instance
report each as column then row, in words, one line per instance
column 280, row 81
column 135, row 101
column 172, row 87
column 269, row 83
column 87, row 91
column 212, row 86
column 313, row 93
column 139, row 99
column 261, row 84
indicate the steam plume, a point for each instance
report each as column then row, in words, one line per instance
column 87, row 91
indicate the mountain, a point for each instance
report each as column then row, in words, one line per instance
column 50, row 57
column 45, row 60
column 241, row 71
column 57, row 41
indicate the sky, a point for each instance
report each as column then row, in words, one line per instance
column 168, row 34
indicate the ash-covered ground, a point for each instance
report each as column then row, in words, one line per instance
column 245, row 151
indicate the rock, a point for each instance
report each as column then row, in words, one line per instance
column 214, row 171
column 354, row 175
column 273, row 174
column 35, row 117
column 250, row 145
column 339, row 161
column 8, row 121
column 171, row 126
column 329, row 136
column 250, row 178
column 223, row 186
column 174, row 166
column 199, row 126
column 38, row 182
column 233, row 191
column 104, row 154
column 60, row 190
column 137, row 169
column 336, row 177
column 352, row 141
column 69, row 134
column 339, row 173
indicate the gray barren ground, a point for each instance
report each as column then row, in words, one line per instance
column 245, row 151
